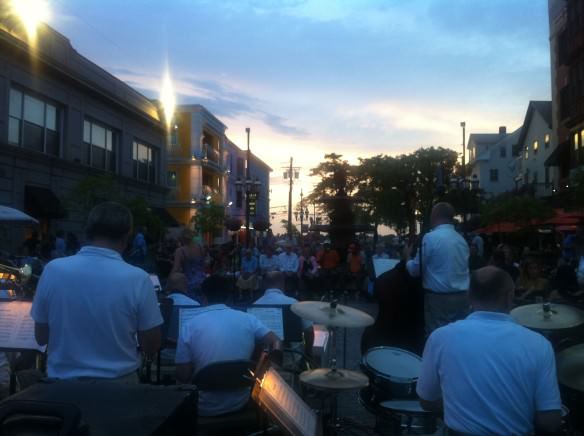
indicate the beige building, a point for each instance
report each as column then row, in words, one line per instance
column 196, row 162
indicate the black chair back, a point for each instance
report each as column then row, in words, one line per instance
column 166, row 305
column 18, row 417
column 225, row 376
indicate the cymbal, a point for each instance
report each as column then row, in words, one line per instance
column 323, row 312
column 561, row 316
column 570, row 364
column 334, row 379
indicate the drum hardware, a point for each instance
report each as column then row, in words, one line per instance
column 548, row 316
column 333, row 380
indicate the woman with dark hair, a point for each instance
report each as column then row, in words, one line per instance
column 531, row 284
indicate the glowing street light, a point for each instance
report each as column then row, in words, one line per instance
column 31, row 13
column 168, row 99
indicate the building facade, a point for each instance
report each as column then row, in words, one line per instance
column 534, row 147
column 62, row 119
column 197, row 170
column 491, row 160
column 259, row 171
column 566, row 20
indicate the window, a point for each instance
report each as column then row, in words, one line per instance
column 100, row 146
column 535, row 147
column 503, row 152
column 172, row 179
column 527, row 152
column 240, row 167
column 145, row 162
column 239, row 199
column 546, row 140
column 174, row 135
column 33, row 123
column 576, row 142
column 494, row 175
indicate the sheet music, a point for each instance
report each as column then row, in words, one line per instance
column 17, row 326
column 276, row 393
column 382, row 265
column 155, row 282
column 271, row 317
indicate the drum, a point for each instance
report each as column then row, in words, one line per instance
column 406, row 417
column 393, row 373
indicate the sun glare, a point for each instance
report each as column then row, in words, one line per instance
column 31, row 13
column 167, row 98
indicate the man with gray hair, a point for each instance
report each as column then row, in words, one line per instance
column 442, row 262
column 91, row 307
column 488, row 374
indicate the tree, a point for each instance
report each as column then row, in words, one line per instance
column 284, row 224
column 326, row 187
column 209, row 218
column 92, row 190
column 400, row 191
column 520, row 210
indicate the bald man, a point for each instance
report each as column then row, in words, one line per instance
column 443, row 266
column 487, row 373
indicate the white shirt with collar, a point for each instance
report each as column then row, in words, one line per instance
column 492, row 374
column 94, row 303
column 288, row 262
column 277, row 296
column 217, row 333
column 268, row 264
column 445, row 261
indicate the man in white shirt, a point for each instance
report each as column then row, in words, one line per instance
column 444, row 270
column 489, row 374
column 269, row 262
column 217, row 333
column 274, row 283
column 289, row 265
column 91, row 307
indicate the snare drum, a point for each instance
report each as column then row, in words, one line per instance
column 407, row 417
column 393, row 372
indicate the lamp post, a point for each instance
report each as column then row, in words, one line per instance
column 250, row 187
column 463, row 125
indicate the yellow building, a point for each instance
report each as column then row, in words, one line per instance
column 196, row 162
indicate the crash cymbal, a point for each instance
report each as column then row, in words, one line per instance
column 559, row 316
column 334, row 379
column 570, row 364
column 332, row 315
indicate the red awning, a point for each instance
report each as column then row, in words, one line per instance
column 563, row 218
column 499, row 228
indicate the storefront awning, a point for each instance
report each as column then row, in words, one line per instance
column 42, row 203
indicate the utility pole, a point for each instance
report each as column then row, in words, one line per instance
column 291, row 176
column 291, row 172
column 247, row 179
column 301, row 214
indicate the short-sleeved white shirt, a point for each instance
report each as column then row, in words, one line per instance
column 94, row 304
column 492, row 374
column 217, row 333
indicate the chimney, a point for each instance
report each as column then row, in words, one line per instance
column 502, row 130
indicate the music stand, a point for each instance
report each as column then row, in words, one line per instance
column 17, row 333
column 273, row 395
column 279, row 318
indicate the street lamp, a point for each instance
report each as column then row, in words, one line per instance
column 250, row 187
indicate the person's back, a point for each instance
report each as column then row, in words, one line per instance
column 92, row 314
column 217, row 333
column 496, row 373
column 488, row 374
column 93, row 308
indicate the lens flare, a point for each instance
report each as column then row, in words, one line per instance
column 168, row 99
column 31, row 13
